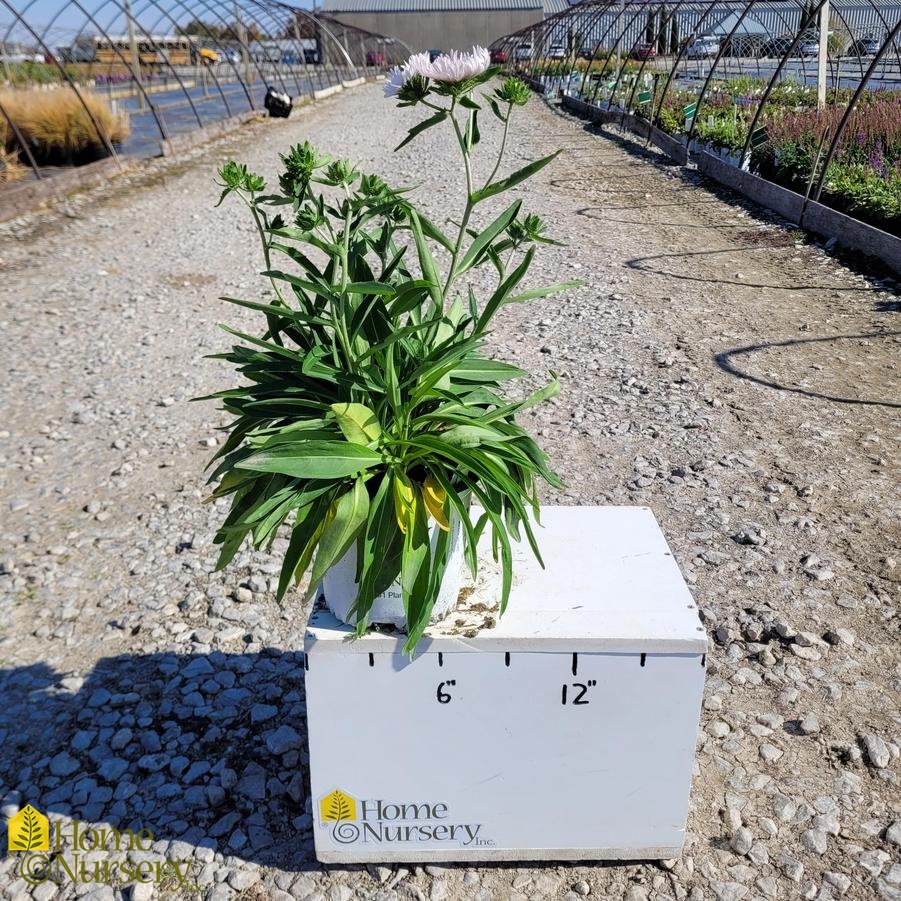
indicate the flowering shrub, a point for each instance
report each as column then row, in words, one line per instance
column 369, row 411
column 864, row 178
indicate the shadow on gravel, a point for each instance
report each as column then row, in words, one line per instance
column 205, row 750
column 651, row 264
column 646, row 152
column 726, row 361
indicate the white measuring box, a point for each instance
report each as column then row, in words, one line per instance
column 565, row 731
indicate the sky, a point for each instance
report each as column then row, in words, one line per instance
column 67, row 18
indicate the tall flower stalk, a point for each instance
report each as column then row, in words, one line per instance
column 369, row 413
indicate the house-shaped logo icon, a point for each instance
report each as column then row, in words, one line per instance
column 337, row 807
column 29, row 830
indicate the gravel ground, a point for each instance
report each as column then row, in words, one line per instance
column 716, row 368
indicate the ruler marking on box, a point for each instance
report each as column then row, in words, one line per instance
column 575, row 664
column 644, row 658
column 371, row 659
column 440, row 659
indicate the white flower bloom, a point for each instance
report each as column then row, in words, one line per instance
column 394, row 81
column 455, row 66
column 418, row 64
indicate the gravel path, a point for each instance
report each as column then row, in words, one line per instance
column 716, row 368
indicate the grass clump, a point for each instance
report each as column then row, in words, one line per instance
column 58, row 127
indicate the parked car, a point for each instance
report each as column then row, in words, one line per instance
column 556, row 51
column 865, row 47
column 523, row 51
column 777, row 47
column 703, row 47
column 807, row 49
column 434, row 53
column 586, row 51
column 498, row 57
column 643, row 51
column 375, row 58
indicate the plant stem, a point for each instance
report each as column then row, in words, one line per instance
column 467, row 212
column 500, row 155
column 338, row 320
column 273, row 331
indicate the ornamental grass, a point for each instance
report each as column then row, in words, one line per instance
column 58, row 126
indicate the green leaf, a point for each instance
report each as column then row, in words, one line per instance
column 432, row 232
column 426, row 260
column 474, row 369
column 309, row 521
column 503, row 292
column 469, row 435
column 473, row 136
column 414, row 570
column 313, row 459
column 358, row 423
column 369, row 288
column 495, row 108
column 351, row 512
column 421, row 127
column 512, row 180
column 375, row 548
column 479, row 245
column 546, row 291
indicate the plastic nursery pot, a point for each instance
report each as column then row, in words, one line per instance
column 339, row 586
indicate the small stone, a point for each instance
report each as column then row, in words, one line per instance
column 741, row 841
column 64, row 764
column 718, row 729
column 893, row 833
column 770, row 753
column 790, row 866
column 810, row 725
column 112, row 769
column 814, row 840
column 874, row 861
column 284, row 739
column 199, row 666
column 876, row 750
column 259, row 713
column 728, row 891
column 582, row 888
column 240, row 880
column 839, row 881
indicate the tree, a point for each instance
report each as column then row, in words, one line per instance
column 649, row 29
column 205, row 29
column 663, row 32
column 674, row 35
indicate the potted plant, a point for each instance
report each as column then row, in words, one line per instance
column 370, row 413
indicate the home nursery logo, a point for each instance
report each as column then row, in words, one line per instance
column 375, row 821
column 67, row 847
column 29, row 830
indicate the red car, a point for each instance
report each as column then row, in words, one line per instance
column 498, row 57
column 375, row 58
column 643, row 51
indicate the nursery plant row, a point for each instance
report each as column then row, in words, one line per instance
column 791, row 136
